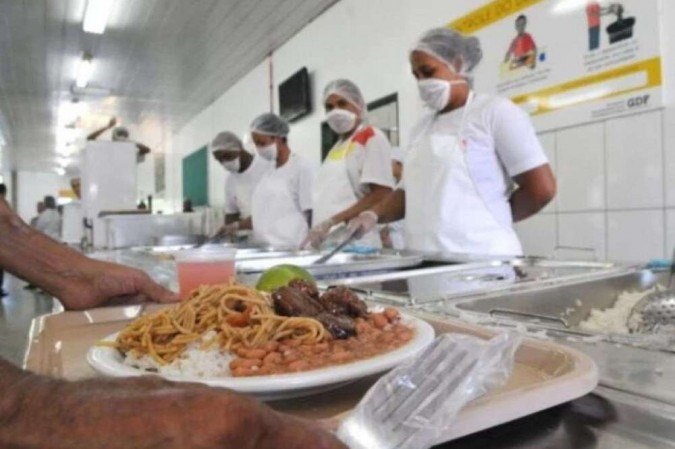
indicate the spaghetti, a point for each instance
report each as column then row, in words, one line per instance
column 230, row 315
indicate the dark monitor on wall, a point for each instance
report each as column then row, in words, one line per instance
column 294, row 96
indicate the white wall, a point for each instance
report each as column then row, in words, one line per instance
column 32, row 187
column 233, row 111
column 616, row 178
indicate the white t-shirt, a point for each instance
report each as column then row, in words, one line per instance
column 369, row 160
column 501, row 143
column 239, row 187
column 49, row 222
column 280, row 201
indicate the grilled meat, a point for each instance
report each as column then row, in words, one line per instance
column 340, row 327
column 343, row 301
column 336, row 309
column 307, row 287
column 289, row 301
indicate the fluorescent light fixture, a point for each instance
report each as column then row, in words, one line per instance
column 60, row 171
column 96, row 16
column 83, row 72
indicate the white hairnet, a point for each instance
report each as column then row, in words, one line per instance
column 347, row 90
column 270, row 125
column 226, row 141
column 447, row 45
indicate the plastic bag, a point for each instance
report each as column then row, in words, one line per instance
column 414, row 404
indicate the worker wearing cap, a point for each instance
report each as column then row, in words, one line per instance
column 356, row 173
column 282, row 200
column 473, row 165
column 245, row 172
column 120, row 134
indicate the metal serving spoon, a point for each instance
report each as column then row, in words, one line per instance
column 656, row 309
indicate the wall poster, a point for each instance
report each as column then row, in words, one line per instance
column 569, row 61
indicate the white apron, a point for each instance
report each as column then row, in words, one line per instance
column 276, row 216
column 333, row 191
column 444, row 209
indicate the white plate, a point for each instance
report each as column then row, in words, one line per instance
column 108, row 361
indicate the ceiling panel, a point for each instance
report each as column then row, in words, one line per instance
column 159, row 62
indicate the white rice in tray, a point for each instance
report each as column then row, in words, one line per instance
column 194, row 362
column 614, row 319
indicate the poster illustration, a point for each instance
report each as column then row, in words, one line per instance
column 569, row 61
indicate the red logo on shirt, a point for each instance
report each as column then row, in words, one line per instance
column 362, row 137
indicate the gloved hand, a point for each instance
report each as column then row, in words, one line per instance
column 228, row 230
column 317, row 235
column 363, row 223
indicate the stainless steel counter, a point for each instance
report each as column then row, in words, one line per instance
column 606, row 420
column 634, row 408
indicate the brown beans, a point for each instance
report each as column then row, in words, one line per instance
column 377, row 333
column 380, row 320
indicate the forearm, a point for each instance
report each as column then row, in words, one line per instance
column 524, row 205
column 392, row 207
column 537, row 187
column 33, row 256
column 365, row 203
column 142, row 413
column 95, row 135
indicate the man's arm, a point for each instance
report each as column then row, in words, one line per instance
column 95, row 135
column 143, row 413
column 536, row 188
column 79, row 282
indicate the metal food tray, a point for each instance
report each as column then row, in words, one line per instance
column 443, row 283
column 243, row 252
column 340, row 265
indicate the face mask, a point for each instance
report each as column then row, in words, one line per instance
column 232, row 166
column 341, row 121
column 436, row 93
column 268, row 152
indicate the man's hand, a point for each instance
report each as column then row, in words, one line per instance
column 144, row 412
column 94, row 283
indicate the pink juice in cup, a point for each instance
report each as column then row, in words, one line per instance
column 204, row 266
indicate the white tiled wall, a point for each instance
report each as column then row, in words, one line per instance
column 616, row 182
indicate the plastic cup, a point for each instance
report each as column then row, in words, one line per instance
column 209, row 265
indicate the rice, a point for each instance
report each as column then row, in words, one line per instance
column 615, row 319
column 194, row 362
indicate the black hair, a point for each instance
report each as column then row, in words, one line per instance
column 50, row 202
column 521, row 17
column 3, row 189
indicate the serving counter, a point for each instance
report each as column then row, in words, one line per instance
column 634, row 406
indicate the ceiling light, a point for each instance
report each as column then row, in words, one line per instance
column 60, row 171
column 83, row 72
column 96, row 16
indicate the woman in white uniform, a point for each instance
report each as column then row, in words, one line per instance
column 245, row 172
column 282, row 202
column 474, row 165
column 356, row 173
